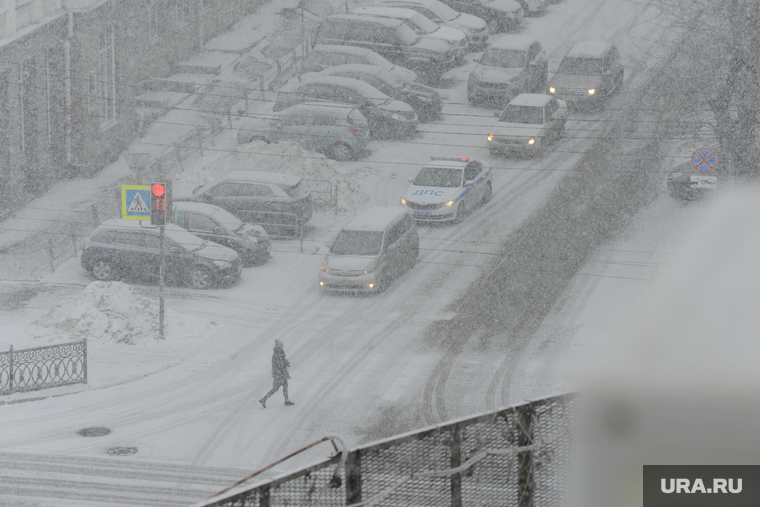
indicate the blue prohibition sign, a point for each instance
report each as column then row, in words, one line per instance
column 704, row 160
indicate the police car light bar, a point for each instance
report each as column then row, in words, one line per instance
column 454, row 159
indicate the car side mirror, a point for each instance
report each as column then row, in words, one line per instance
column 410, row 179
column 220, row 232
column 469, row 183
column 476, row 60
column 328, row 244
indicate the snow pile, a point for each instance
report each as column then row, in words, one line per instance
column 106, row 311
column 286, row 157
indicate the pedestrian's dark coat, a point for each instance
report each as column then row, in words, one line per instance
column 280, row 366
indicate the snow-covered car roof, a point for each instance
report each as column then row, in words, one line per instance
column 336, row 109
column 589, row 49
column 453, row 162
column 198, row 207
column 352, row 67
column 261, row 177
column 120, row 223
column 387, row 22
column 361, row 87
column 334, row 48
column 530, row 99
column 424, row 3
column 390, row 12
column 374, row 219
column 512, row 42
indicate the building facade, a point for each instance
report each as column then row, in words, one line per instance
column 70, row 72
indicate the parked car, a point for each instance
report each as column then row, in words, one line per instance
column 386, row 117
column 339, row 131
column 589, row 73
column 510, row 66
column 277, row 202
column 446, row 188
column 212, row 223
column 475, row 28
column 423, row 27
column 688, row 184
column 128, row 249
column 425, row 100
column 392, row 39
column 501, row 15
column 323, row 56
column 370, row 251
column 528, row 124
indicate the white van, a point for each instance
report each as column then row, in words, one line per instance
column 376, row 246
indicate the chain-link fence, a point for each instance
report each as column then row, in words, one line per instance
column 519, row 456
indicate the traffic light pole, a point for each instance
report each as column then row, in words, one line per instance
column 161, row 285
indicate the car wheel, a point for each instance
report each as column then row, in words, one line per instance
column 200, row 278
column 103, row 270
column 341, row 152
column 461, row 212
column 487, row 193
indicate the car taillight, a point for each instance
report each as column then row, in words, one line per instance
column 86, row 245
column 354, row 131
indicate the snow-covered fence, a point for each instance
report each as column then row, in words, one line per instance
column 43, row 367
column 518, row 456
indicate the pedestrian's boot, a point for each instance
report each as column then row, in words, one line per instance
column 263, row 402
column 288, row 403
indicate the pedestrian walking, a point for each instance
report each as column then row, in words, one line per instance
column 280, row 376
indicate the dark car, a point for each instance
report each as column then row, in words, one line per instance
column 323, row 56
column 686, row 183
column 128, row 249
column 386, row 117
column 392, row 39
column 277, row 202
column 212, row 223
column 501, row 15
column 425, row 100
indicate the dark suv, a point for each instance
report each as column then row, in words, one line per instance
column 392, row 39
column 127, row 249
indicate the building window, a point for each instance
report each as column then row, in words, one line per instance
column 157, row 19
column 107, row 77
column 184, row 12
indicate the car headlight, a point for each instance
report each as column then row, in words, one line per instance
column 531, row 141
column 552, row 89
column 394, row 116
column 324, row 268
column 371, row 267
column 490, row 137
column 591, row 91
column 449, row 204
column 222, row 264
column 403, row 201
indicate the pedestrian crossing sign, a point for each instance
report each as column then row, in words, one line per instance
column 135, row 202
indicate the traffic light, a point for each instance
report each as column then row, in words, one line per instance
column 157, row 204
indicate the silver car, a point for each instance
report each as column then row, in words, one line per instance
column 438, row 12
column 510, row 66
column 339, row 131
column 323, row 56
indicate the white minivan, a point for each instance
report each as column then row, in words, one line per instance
column 370, row 251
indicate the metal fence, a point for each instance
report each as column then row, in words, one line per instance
column 43, row 367
column 519, row 456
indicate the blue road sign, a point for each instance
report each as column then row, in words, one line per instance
column 704, row 160
column 135, row 202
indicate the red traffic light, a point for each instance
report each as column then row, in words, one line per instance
column 157, row 189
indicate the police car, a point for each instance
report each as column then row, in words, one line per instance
column 446, row 188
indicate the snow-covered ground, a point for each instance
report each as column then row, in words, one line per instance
column 361, row 367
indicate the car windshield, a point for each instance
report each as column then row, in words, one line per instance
column 580, row 66
column 423, row 23
column 503, row 58
column 187, row 240
column 227, row 219
column 523, row 114
column 390, row 79
column 439, row 177
column 444, row 11
column 357, row 243
column 406, row 34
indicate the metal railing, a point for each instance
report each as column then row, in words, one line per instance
column 518, row 456
column 43, row 367
column 321, row 191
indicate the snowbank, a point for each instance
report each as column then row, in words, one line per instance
column 107, row 312
column 286, row 157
